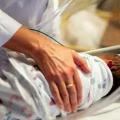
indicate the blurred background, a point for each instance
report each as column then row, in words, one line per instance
column 91, row 24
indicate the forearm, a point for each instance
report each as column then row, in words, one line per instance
column 26, row 41
column 16, row 37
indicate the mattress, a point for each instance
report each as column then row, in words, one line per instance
column 106, row 109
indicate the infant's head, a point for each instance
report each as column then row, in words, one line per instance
column 113, row 62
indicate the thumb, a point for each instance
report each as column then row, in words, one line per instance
column 80, row 62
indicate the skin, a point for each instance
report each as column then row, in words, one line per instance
column 57, row 63
column 113, row 61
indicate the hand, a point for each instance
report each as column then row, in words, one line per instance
column 58, row 64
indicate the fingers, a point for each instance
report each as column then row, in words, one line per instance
column 64, row 96
column 56, row 94
column 64, row 93
column 78, row 86
column 69, row 97
column 73, row 98
column 71, row 90
column 81, row 62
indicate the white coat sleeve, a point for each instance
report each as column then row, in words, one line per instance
column 8, row 27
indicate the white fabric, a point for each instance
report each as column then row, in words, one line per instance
column 30, row 13
column 112, row 112
column 108, row 107
column 99, row 81
column 23, row 91
column 26, row 12
column 27, row 90
column 8, row 27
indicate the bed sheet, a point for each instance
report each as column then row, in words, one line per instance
column 111, row 112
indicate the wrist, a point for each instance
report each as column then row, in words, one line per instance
column 44, row 48
column 25, row 41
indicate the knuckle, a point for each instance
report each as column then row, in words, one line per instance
column 54, row 92
column 73, row 68
column 74, row 104
column 73, row 96
column 48, row 76
column 73, row 51
column 67, row 105
column 56, row 76
column 65, row 96
column 73, row 93
column 79, row 98
column 83, row 62
column 70, row 70
column 79, row 89
column 79, row 95
column 59, row 103
column 51, row 75
column 66, row 73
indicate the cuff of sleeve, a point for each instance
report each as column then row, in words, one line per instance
column 8, row 27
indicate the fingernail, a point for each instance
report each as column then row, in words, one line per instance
column 79, row 101
column 75, row 110
column 61, row 107
column 69, row 112
column 68, row 109
column 88, row 70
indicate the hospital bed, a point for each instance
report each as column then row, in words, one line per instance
column 106, row 109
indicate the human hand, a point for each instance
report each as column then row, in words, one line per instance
column 58, row 64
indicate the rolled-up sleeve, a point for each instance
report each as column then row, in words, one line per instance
column 8, row 27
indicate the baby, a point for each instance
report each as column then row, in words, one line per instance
column 25, row 94
column 113, row 62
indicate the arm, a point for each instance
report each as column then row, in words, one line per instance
column 58, row 64
column 55, row 62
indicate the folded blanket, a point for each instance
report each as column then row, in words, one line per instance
column 25, row 93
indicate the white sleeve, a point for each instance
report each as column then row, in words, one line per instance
column 8, row 27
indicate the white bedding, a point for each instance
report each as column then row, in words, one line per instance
column 110, row 112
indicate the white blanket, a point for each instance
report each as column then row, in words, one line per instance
column 111, row 112
column 26, row 94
